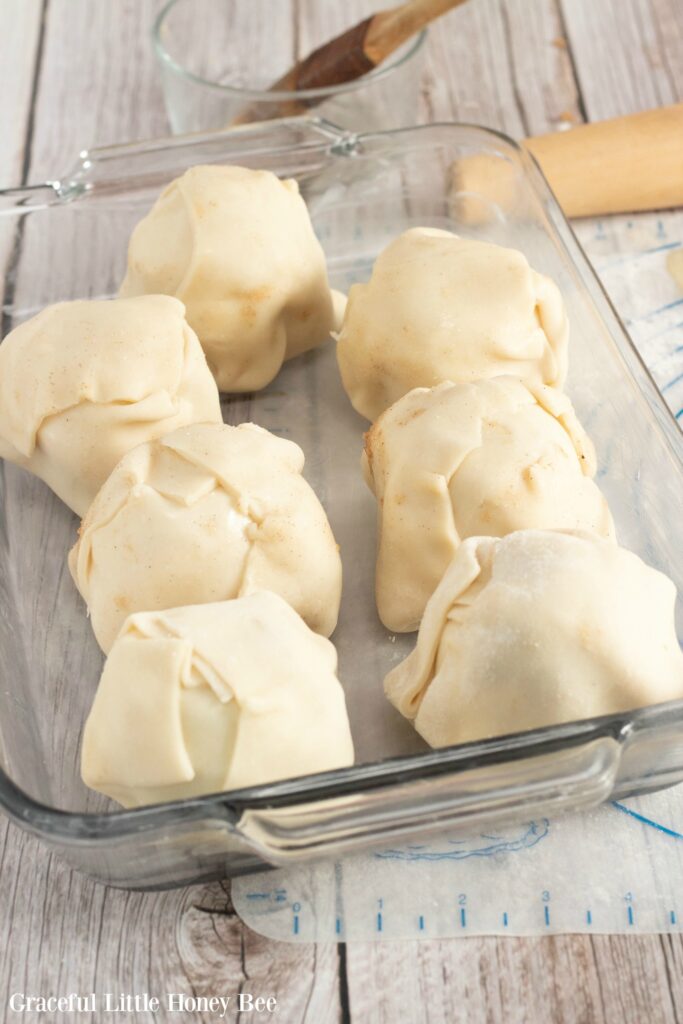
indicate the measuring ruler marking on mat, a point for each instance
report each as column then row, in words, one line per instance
column 616, row 869
column 401, row 920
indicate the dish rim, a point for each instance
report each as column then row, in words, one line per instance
column 77, row 828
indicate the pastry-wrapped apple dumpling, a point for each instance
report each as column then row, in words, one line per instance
column 83, row 382
column 214, row 697
column 462, row 460
column 438, row 307
column 205, row 514
column 237, row 247
column 537, row 628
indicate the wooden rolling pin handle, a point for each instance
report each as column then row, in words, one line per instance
column 624, row 165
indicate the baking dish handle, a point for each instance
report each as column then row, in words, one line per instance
column 126, row 167
column 459, row 801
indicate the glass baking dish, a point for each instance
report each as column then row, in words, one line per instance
column 67, row 239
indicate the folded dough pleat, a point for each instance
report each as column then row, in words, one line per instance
column 458, row 460
column 205, row 515
column 440, row 307
column 237, row 247
column 212, row 697
column 406, row 685
column 536, row 628
column 84, row 382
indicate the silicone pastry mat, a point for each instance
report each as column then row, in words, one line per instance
column 616, row 869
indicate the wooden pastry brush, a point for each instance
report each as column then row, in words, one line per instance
column 352, row 54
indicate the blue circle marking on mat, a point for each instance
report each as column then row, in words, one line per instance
column 483, row 845
column 646, row 821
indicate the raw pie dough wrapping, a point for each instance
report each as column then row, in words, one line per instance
column 84, row 382
column 238, row 248
column 214, row 697
column 439, row 307
column 536, row 628
column 460, row 460
column 207, row 513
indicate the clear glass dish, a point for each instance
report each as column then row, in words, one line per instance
column 209, row 79
column 68, row 239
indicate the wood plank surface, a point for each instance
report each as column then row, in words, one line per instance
column 23, row 37
column 98, row 81
column 559, row 979
column 21, row 27
column 501, row 64
column 628, row 54
column 74, row 73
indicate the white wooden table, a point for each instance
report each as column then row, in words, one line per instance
column 75, row 73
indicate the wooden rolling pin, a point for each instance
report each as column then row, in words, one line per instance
column 620, row 166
